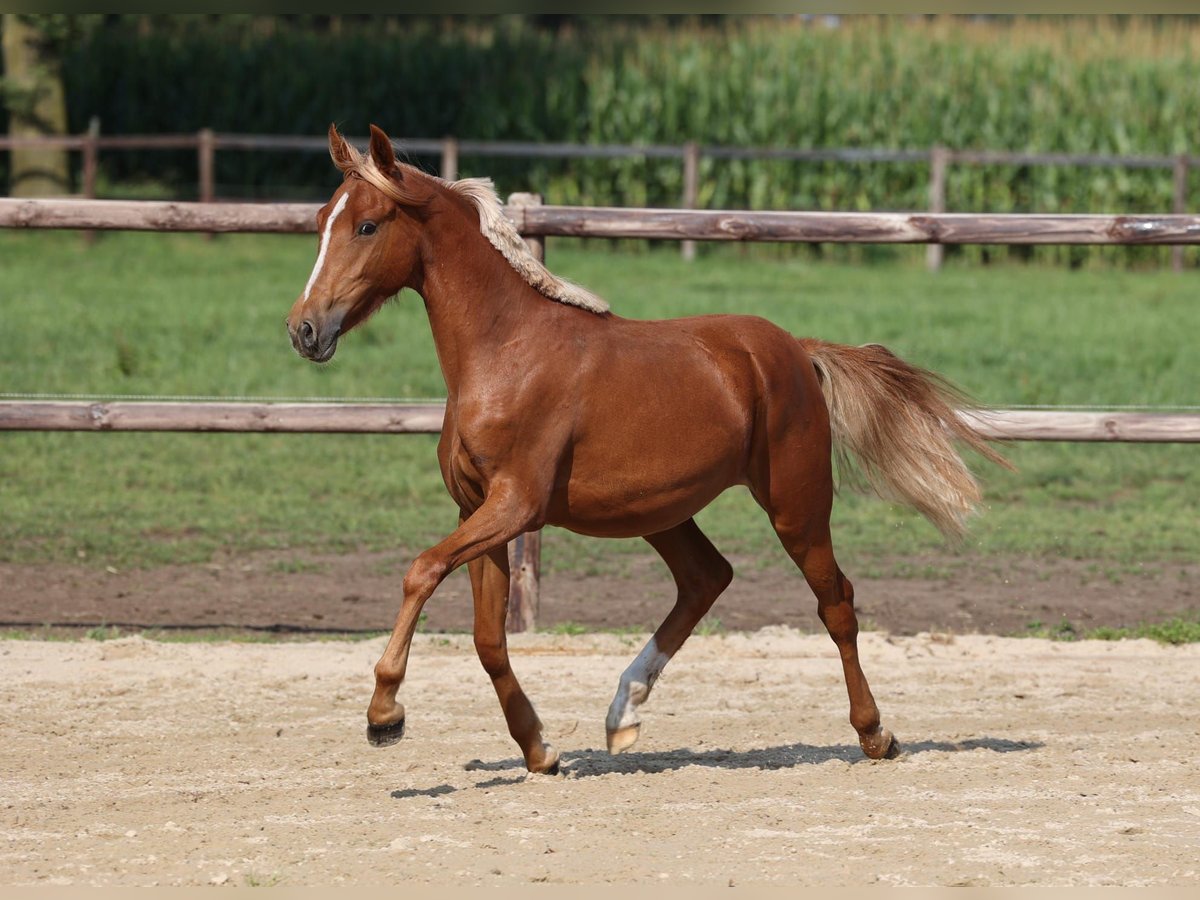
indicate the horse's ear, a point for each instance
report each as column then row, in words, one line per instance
column 340, row 152
column 382, row 153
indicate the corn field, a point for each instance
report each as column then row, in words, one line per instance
column 1076, row 84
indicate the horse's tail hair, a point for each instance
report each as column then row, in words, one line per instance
column 898, row 423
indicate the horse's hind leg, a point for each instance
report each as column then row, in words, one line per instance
column 799, row 498
column 701, row 574
column 489, row 585
column 835, row 606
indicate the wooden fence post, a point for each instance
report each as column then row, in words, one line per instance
column 206, row 152
column 1180, row 205
column 90, row 139
column 449, row 169
column 525, row 552
column 938, row 157
column 90, row 165
column 691, row 190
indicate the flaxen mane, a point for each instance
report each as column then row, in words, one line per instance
column 493, row 225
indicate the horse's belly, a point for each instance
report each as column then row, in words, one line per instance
column 639, row 493
column 635, row 519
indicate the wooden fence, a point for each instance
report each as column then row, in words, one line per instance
column 206, row 143
column 535, row 222
column 333, row 417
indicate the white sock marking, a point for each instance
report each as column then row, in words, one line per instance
column 635, row 685
column 337, row 209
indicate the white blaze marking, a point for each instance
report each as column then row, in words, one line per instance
column 337, row 209
column 635, row 685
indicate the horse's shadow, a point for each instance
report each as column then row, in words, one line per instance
column 590, row 763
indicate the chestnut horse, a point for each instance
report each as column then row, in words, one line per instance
column 559, row 412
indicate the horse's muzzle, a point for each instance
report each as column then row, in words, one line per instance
column 313, row 342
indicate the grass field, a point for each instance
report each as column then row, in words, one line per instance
column 175, row 314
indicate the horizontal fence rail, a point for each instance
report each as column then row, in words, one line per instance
column 426, row 418
column 552, row 150
column 1085, row 426
column 155, row 415
column 665, row 224
column 159, row 215
column 858, row 228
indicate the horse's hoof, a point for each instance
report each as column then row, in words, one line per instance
column 549, row 764
column 881, row 745
column 621, row 739
column 385, row 735
column 553, row 769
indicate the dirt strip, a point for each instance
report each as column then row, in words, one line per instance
column 360, row 591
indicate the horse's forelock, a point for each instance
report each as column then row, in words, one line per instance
column 400, row 185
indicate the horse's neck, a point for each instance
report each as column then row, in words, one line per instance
column 479, row 307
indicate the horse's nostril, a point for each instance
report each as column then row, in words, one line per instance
column 307, row 334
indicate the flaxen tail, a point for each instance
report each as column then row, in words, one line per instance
column 899, row 422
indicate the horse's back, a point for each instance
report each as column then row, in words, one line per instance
column 708, row 371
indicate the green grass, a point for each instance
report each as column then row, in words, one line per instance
column 177, row 314
column 568, row 628
column 1177, row 630
column 710, row 625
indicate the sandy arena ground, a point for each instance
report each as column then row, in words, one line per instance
column 1026, row 762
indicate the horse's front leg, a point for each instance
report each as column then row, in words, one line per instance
column 489, row 585
column 503, row 515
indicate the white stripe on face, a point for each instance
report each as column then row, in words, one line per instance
column 337, row 209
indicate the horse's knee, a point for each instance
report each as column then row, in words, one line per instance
column 423, row 576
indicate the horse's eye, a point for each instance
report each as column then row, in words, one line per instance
column 366, row 228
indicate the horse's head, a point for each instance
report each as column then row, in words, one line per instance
column 368, row 246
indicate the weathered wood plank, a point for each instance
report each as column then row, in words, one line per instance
column 816, row 154
column 1019, row 158
column 426, row 418
column 1086, row 426
column 935, row 253
column 1179, row 203
column 134, row 415
column 524, row 582
column 159, row 215
column 319, row 144
column 669, row 224
column 872, row 228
